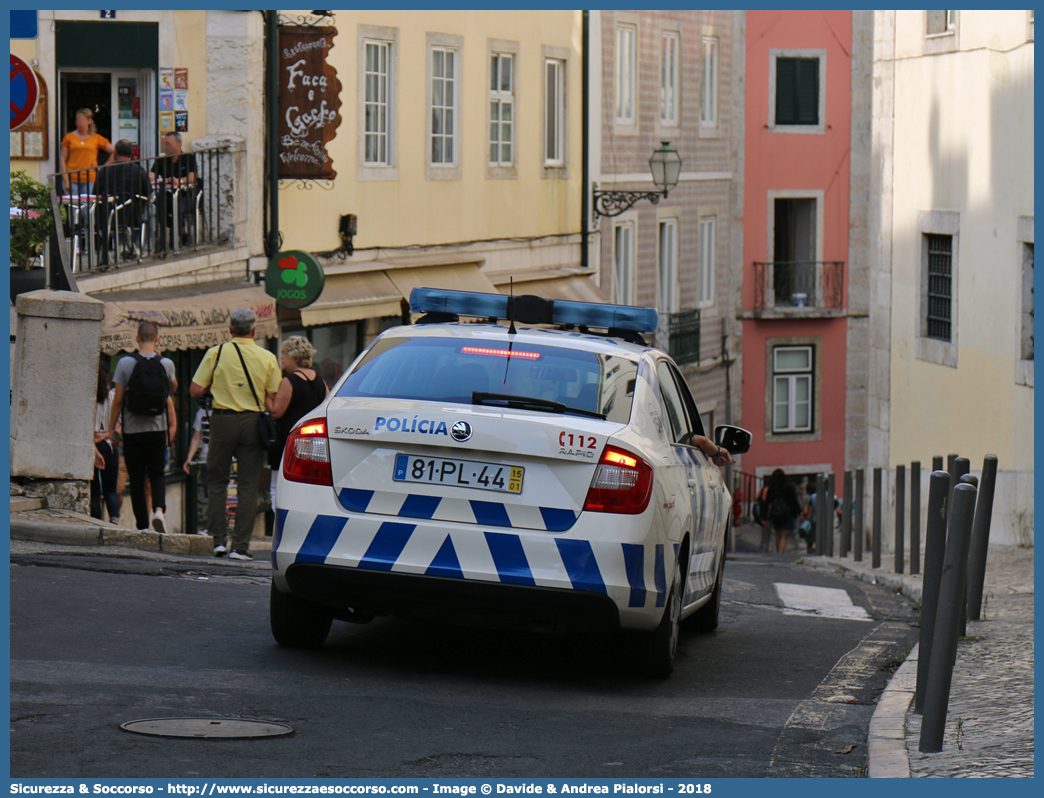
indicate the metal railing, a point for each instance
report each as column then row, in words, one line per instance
column 683, row 331
column 799, row 284
column 130, row 213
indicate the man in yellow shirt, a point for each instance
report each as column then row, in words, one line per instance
column 233, row 426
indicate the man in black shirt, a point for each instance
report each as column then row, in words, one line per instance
column 126, row 191
column 178, row 173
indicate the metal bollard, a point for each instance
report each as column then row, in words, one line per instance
column 937, row 463
column 981, row 536
column 951, row 599
column 846, row 516
column 951, row 466
column 915, row 517
column 860, row 530
column 876, row 542
column 934, row 551
column 900, row 517
column 966, row 479
column 830, row 492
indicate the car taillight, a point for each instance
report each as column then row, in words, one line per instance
column 306, row 457
column 622, row 483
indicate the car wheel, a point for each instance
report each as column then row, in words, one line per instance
column 705, row 619
column 654, row 651
column 297, row 623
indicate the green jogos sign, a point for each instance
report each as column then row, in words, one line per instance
column 294, row 278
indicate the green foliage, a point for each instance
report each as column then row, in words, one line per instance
column 28, row 236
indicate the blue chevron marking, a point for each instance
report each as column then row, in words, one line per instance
column 490, row 513
column 277, row 534
column 660, row 577
column 634, row 562
column 386, row 546
column 355, row 500
column 445, row 562
column 510, row 559
column 419, row 506
column 321, row 537
column 557, row 520
column 579, row 560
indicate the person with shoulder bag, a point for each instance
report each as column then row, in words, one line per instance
column 242, row 379
column 784, row 508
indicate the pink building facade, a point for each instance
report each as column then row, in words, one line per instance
column 799, row 385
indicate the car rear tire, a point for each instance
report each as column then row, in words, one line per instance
column 705, row 619
column 297, row 623
column 653, row 652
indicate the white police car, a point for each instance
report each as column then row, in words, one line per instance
column 503, row 475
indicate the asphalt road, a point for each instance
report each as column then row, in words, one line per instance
column 100, row 640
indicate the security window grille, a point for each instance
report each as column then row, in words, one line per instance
column 940, row 22
column 1027, row 302
column 668, row 263
column 624, row 252
column 501, row 109
column 443, row 106
column 669, row 78
column 705, row 273
column 792, row 389
column 797, row 91
column 554, row 112
column 626, row 67
column 377, row 104
column 683, row 329
column 709, row 105
column 940, row 287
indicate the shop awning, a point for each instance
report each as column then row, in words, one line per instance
column 575, row 287
column 363, row 295
column 189, row 317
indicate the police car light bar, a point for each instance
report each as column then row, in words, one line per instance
column 587, row 314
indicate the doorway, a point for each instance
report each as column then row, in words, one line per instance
column 121, row 101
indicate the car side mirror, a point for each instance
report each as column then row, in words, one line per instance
column 735, row 439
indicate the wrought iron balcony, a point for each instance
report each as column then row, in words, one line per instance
column 791, row 285
column 683, row 336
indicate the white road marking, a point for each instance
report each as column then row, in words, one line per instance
column 819, row 602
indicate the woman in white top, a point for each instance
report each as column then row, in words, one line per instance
column 103, row 486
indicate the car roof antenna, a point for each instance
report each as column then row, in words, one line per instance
column 511, row 309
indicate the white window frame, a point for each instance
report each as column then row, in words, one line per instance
column 951, row 25
column 774, row 55
column 384, row 48
column 667, row 264
column 444, row 170
column 626, row 75
column 554, row 164
column 500, row 98
column 389, row 170
column 707, row 259
column 944, row 41
column 670, row 82
column 709, row 81
column 625, row 230
column 1024, row 238
column 792, row 377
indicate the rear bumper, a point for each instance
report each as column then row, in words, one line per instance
column 428, row 597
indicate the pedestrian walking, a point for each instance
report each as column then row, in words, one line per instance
column 784, row 508
column 200, row 443
column 242, row 379
column 300, row 392
column 142, row 404
column 761, row 514
column 103, row 485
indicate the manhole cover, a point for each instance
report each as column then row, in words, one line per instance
column 226, row 728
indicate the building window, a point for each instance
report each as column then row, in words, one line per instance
column 940, row 287
column 792, row 388
column 705, row 269
column 554, row 112
column 623, row 252
column 502, row 109
column 626, row 71
column 941, row 23
column 709, row 105
column 668, row 243
column 669, row 78
column 1027, row 301
column 443, row 105
column 797, row 91
column 377, row 107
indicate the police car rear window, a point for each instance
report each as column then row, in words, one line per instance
column 451, row 369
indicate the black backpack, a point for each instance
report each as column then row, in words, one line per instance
column 148, row 386
column 778, row 511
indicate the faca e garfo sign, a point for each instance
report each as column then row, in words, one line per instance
column 295, row 279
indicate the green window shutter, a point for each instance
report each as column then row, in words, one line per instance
column 786, row 91
column 797, row 91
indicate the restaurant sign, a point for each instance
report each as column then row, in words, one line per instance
column 309, row 100
column 295, row 279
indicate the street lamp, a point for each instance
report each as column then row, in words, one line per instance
column 665, row 165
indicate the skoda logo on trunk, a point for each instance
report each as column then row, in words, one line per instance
column 461, row 431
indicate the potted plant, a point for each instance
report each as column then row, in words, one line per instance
column 31, row 225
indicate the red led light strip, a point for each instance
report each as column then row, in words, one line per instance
column 474, row 350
